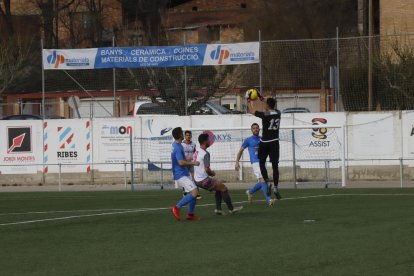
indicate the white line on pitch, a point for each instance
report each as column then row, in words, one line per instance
column 166, row 208
column 134, row 211
column 63, row 211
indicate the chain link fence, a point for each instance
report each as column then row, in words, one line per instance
column 299, row 73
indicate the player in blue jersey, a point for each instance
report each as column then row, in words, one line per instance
column 252, row 145
column 182, row 177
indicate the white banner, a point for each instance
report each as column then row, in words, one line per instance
column 20, row 146
column 72, row 59
column 111, row 142
column 67, row 142
column 373, row 135
column 230, row 54
column 408, row 136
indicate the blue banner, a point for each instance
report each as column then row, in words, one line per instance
column 136, row 57
column 189, row 55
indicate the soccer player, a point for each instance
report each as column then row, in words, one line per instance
column 182, row 177
column 189, row 150
column 269, row 143
column 203, row 176
column 252, row 144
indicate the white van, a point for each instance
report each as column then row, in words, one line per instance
column 148, row 107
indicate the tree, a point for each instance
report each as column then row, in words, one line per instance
column 394, row 78
column 15, row 55
column 5, row 12
column 168, row 84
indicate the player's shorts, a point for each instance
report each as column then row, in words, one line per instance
column 186, row 183
column 207, row 184
column 270, row 149
column 256, row 170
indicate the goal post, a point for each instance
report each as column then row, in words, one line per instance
column 308, row 153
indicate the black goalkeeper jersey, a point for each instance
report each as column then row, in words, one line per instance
column 271, row 123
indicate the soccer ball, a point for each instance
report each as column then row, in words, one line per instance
column 252, row 94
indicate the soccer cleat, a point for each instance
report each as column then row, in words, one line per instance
column 199, row 197
column 191, row 217
column 219, row 212
column 176, row 212
column 277, row 193
column 269, row 188
column 271, row 202
column 236, row 209
column 249, row 197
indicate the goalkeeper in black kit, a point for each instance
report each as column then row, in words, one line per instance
column 269, row 143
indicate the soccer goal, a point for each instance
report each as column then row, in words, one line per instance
column 309, row 154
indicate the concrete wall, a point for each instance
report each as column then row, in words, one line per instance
column 93, row 152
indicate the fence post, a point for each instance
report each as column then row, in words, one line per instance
column 162, row 176
column 132, row 161
column 401, row 172
column 337, row 86
column 60, row 173
column 125, row 175
column 294, row 159
column 114, row 81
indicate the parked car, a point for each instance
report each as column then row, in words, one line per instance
column 296, row 110
column 148, row 107
column 22, row 117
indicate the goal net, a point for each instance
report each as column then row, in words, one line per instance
column 309, row 155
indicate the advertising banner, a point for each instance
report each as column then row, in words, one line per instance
column 373, row 135
column 112, row 141
column 319, row 143
column 20, row 146
column 408, row 136
column 67, row 142
column 166, row 56
column 154, row 144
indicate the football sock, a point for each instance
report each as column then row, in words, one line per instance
column 184, row 201
column 255, row 188
column 275, row 167
column 263, row 170
column 192, row 205
column 264, row 190
column 218, row 200
column 226, row 197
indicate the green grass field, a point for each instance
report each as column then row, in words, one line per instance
column 309, row 232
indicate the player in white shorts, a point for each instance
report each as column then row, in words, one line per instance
column 204, row 177
column 189, row 150
column 252, row 144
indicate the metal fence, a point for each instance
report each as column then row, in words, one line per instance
column 300, row 73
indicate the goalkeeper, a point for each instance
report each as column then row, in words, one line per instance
column 269, row 143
